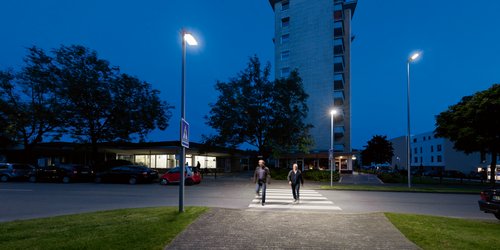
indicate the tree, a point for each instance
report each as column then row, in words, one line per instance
column 378, row 150
column 29, row 106
column 473, row 124
column 268, row 115
column 104, row 104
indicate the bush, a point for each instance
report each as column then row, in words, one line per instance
column 390, row 177
column 310, row 175
column 320, row 175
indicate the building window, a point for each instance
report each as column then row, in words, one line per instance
column 415, row 150
column 414, row 139
column 285, row 54
column 439, row 148
column 420, row 149
column 429, row 137
column 439, row 158
column 416, row 159
column 285, row 72
column 285, row 5
column 432, row 158
column 421, row 160
column 285, row 22
column 285, row 38
column 432, row 148
column 424, row 138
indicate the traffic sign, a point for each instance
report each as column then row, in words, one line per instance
column 184, row 133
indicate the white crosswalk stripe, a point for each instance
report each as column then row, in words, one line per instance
column 283, row 199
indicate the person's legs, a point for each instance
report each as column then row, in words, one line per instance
column 294, row 192
column 257, row 188
column 297, row 190
column 264, row 185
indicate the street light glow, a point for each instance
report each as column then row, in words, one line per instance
column 333, row 112
column 190, row 40
column 414, row 57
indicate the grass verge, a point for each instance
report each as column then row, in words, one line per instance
column 140, row 228
column 435, row 189
column 432, row 232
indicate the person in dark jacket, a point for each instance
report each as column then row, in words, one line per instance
column 295, row 180
column 262, row 177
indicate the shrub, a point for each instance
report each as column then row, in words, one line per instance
column 390, row 177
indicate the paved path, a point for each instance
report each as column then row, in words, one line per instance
column 266, row 229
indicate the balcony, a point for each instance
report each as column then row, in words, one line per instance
column 338, row 46
column 338, row 29
column 338, row 83
column 338, row 98
column 338, row 64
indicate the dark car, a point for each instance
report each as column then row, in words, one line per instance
column 490, row 202
column 15, row 171
column 106, row 165
column 131, row 174
column 65, row 173
column 192, row 176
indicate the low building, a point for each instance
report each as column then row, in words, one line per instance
column 429, row 153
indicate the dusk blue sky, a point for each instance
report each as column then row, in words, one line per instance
column 459, row 40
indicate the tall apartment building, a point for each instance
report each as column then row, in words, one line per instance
column 314, row 37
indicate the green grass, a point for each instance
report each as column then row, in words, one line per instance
column 391, row 188
column 142, row 228
column 431, row 232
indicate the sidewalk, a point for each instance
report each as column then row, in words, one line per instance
column 241, row 229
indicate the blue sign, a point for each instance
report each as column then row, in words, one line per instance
column 184, row 133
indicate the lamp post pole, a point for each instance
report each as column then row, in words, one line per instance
column 186, row 37
column 183, row 115
column 331, row 154
column 408, row 149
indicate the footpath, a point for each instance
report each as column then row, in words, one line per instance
column 222, row 228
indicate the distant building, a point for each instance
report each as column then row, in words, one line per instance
column 314, row 37
column 431, row 153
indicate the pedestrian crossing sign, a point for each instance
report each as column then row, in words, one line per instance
column 184, row 133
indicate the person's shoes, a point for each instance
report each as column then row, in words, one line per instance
column 294, row 201
column 257, row 193
column 263, row 203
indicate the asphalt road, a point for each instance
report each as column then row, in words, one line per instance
column 21, row 200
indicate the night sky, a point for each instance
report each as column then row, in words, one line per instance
column 460, row 44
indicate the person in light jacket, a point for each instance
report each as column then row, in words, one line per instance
column 295, row 180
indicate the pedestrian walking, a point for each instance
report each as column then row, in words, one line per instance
column 262, row 177
column 295, row 180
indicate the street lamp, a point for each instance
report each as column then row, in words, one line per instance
column 412, row 58
column 333, row 112
column 190, row 40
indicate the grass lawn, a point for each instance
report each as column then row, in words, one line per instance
column 431, row 232
column 140, row 228
column 392, row 188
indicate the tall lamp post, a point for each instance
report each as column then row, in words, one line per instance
column 333, row 112
column 412, row 58
column 190, row 40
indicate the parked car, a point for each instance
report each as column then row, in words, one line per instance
column 15, row 171
column 192, row 176
column 490, row 202
column 131, row 174
column 106, row 165
column 64, row 172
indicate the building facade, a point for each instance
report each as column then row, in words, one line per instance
column 429, row 153
column 314, row 37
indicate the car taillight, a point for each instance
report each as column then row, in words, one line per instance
column 484, row 196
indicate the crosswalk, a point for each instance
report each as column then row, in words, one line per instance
column 283, row 199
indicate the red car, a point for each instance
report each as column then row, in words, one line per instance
column 192, row 176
